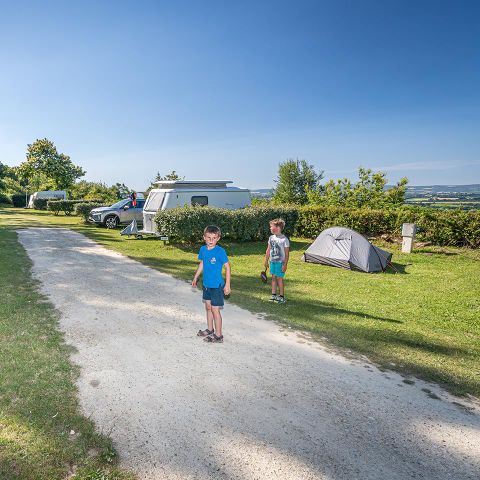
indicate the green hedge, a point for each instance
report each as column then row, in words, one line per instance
column 188, row 223
column 66, row 206
column 19, row 200
column 40, row 203
column 5, row 199
column 441, row 227
column 83, row 209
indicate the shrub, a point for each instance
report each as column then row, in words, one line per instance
column 187, row 223
column 19, row 200
column 83, row 209
column 65, row 206
column 441, row 227
column 40, row 203
column 313, row 220
column 5, row 199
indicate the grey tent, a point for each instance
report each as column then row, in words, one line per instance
column 345, row 248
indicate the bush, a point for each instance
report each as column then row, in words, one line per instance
column 5, row 199
column 65, row 206
column 188, row 223
column 19, row 200
column 40, row 203
column 441, row 227
column 313, row 220
column 83, row 209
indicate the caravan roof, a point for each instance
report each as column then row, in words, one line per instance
column 164, row 184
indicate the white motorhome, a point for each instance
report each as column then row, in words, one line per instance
column 47, row 194
column 178, row 193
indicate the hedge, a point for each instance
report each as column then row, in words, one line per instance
column 66, row 206
column 188, row 223
column 19, row 200
column 5, row 199
column 40, row 203
column 441, row 227
column 83, row 209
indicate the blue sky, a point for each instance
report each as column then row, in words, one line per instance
column 227, row 90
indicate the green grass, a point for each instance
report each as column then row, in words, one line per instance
column 38, row 399
column 424, row 320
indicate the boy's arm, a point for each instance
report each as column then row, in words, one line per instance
column 228, row 274
column 285, row 262
column 267, row 256
column 197, row 273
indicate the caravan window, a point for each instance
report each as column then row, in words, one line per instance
column 154, row 201
column 200, row 200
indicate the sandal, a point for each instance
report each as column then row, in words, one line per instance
column 204, row 333
column 213, row 338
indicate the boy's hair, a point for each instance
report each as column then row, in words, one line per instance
column 278, row 222
column 213, row 229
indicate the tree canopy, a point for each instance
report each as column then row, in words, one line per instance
column 370, row 191
column 295, row 179
column 173, row 175
column 46, row 169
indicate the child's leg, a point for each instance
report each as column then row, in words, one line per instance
column 281, row 286
column 274, row 284
column 208, row 308
column 217, row 316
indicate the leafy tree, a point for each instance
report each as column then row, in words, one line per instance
column 173, row 175
column 98, row 191
column 369, row 191
column 45, row 168
column 295, row 179
column 9, row 182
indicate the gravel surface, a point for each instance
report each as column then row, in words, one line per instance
column 269, row 403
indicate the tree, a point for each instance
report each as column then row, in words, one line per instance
column 173, row 175
column 9, row 182
column 45, row 168
column 295, row 179
column 370, row 191
column 98, row 191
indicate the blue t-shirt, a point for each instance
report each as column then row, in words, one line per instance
column 213, row 261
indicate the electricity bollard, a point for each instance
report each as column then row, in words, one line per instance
column 408, row 235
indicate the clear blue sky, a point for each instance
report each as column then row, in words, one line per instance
column 227, row 90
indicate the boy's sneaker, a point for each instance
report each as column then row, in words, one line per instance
column 281, row 299
column 273, row 298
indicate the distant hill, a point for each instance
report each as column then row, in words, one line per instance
column 412, row 190
column 435, row 189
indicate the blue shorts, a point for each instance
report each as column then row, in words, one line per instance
column 276, row 269
column 214, row 295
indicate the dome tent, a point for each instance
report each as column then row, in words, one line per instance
column 345, row 248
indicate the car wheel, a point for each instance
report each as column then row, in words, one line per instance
column 111, row 221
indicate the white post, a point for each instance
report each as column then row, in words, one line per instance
column 408, row 235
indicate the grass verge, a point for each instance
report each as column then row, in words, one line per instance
column 42, row 434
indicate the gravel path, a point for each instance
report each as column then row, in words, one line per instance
column 267, row 404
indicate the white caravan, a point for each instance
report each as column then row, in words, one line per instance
column 178, row 193
column 47, row 194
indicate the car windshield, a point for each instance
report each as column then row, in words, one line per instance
column 154, row 201
column 120, row 204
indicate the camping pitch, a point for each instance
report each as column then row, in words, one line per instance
column 345, row 248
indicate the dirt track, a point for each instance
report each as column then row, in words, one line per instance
column 267, row 404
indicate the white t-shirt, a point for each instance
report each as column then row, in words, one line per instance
column 278, row 243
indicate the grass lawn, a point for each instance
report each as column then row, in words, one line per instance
column 424, row 320
column 42, row 434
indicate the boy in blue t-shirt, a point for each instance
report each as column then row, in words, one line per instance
column 212, row 259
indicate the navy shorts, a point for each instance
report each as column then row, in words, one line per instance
column 215, row 295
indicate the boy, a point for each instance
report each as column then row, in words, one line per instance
column 212, row 259
column 277, row 254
